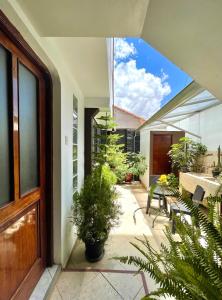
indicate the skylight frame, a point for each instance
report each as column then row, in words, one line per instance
column 190, row 101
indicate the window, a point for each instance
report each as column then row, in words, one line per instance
column 28, row 133
column 75, row 144
column 5, row 151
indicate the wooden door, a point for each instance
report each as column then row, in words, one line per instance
column 161, row 160
column 22, row 173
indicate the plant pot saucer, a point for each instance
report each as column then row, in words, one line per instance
column 90, row 259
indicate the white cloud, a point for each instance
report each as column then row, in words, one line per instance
column 164, row 76
column 122, row 49
column 138, row 90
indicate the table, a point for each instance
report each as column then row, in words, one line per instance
column 160, row 194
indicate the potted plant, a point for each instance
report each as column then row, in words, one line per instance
column 217, row 168
column 95, row 211
column 137, row 165
column 185, row 154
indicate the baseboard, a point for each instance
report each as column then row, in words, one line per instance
column 46, row 283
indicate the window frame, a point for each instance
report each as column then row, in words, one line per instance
column 75, row 143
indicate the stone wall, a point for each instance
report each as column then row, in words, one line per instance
column 208, row 161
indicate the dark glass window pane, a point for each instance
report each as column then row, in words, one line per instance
column 74, row 152
column 28, row 115
column 74, row 167
column 75, row 182
column 4, row 130
column 74, row 136
column 75, row 105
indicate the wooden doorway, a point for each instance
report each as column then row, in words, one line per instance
column 161, row 147
column 160, row 143
column 25, row 171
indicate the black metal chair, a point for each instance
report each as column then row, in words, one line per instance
column 198, row 196
column 153, row 180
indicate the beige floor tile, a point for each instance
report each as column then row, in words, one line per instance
column 55, row 295
column 140, row 294
column 99, row 289
column 71, row 284
column 121, row 282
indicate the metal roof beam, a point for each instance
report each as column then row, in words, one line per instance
column 176, row 115
column 181, row 129
column 184, row 118
column 198, row 101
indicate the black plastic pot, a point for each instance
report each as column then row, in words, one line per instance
column 216, row 173
column 94, row 250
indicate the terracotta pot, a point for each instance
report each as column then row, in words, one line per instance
column 129, row 177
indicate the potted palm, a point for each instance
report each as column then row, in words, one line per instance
column 95, row 211
column 185, row 155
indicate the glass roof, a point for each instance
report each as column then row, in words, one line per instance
column 190, row 101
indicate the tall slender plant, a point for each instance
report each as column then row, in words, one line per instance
column 191, row 267
column 108, row 148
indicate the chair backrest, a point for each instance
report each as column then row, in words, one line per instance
column 198, row 193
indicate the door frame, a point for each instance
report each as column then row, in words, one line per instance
column 7, row 28
column 176, row 135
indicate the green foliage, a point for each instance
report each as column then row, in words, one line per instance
column 137, row 163
column 95, row 210
column 188, row 268
column 173, row 181
column 109, row 149
column 168, row 181
column 186, row 154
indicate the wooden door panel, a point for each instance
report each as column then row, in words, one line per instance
column 19, row 245
column 23, row 218
column 161, row 146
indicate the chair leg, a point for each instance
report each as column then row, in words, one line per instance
column 170, row 216
column 173, row 226
column 173, row 230
column 148, row 204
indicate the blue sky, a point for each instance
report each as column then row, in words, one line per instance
column 144, row 79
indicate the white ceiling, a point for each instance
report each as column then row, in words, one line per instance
column 83, row 18
column 87, row 60
column 188, row 32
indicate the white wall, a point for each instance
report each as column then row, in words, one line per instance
column 64, row 87
column 145, row 150
column 68, row 235
column 207, row 124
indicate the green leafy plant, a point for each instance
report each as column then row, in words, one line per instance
column 168, row 181
column 172, row 181
column 189, row 267
column 137, row 163
column 109, row 150
column 95, row 210
column 185, row 155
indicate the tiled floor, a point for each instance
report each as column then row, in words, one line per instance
column 108, row 278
